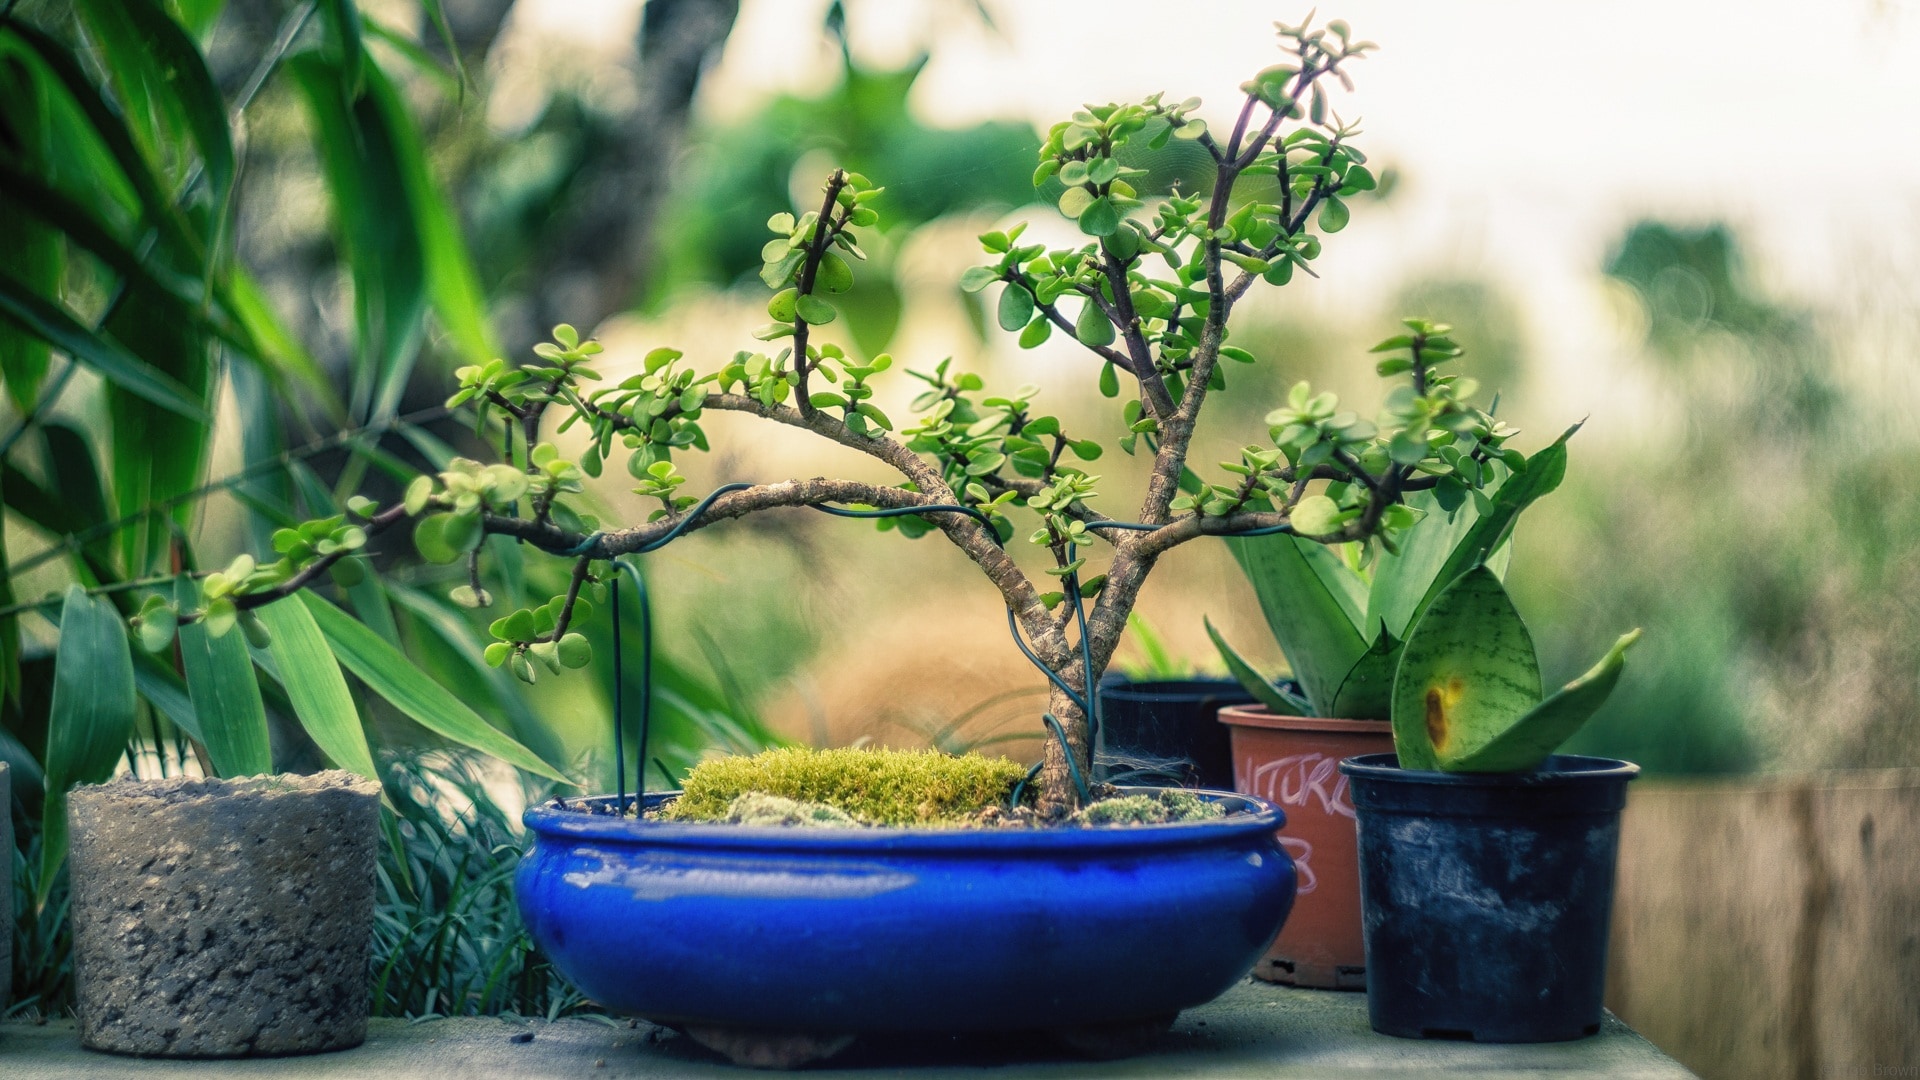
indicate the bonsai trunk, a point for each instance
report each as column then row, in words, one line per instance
column 1059, row 796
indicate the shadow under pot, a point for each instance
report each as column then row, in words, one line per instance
column 1487, row 897
column 223, row 918
column 1295, row 761
column 1163, row 731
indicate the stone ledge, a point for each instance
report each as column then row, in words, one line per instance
column 1253, row 1031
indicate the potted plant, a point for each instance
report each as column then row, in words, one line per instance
column 230, row 914
column 774, row 940
column 1341, row 619
column 1486, row 860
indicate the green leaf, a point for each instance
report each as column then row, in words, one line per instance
column 1075, row 200
column 389, row 673
column 91, row 717
column 1315, row 515
column 158, row 74
column 1100, row 218
column 1543, row 473
column 1282, row 704
column 1367, row 691
column 453, row 284
column 1467, row 673
column 1403, row 579
column 315, row 686
column 1523, row 746
column 51, row 323
column 226, row 697
column 815, row 311
column 374, row 221
column 1093, row 327
column 1037, row 331
column 1334, row 215
column 977, row 278
column 1109, row 380
column 833, row 275
column 1016, row 307
column 1313, row 603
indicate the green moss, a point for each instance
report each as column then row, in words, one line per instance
column 877, row 787
column 759, row 808
column 1154, row 809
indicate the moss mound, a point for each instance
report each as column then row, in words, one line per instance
column 1152, row 809
column 876, row 787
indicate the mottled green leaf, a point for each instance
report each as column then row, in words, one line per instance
column 1467, row 673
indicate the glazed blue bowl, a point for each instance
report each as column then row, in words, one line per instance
column 903, row 930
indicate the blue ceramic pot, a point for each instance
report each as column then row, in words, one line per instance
column 903, row 930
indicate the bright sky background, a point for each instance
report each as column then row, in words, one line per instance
column 1530, row 132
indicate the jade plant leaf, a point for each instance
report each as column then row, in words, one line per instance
column 1314, row 605
column 1522, row 747
column 1266, row 693
column 1467, row 673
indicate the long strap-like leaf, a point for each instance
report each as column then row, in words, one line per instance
column 91, row 717
column 226, row 699
column 391, row 675
column 315, row 686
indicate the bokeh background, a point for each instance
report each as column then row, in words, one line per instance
column 1642, row 214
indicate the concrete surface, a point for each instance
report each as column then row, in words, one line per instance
column 1255, row 1030
column 223, row 917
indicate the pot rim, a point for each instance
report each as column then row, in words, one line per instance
column 1262, row 716
column 1198, row 688
column 1259, row 818
column 1560, row 771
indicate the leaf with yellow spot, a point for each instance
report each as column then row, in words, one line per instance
column 1467, row 673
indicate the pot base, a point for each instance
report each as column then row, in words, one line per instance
column 1287, row 972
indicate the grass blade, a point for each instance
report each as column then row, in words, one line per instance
column 394, row 677
column 315, row 686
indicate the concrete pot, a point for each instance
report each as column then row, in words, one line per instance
column 1294, row 761
column 223, row 918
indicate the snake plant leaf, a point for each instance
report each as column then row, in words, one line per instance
column 91, row 716
column 1543, row 473
column 1466, row 674
column 1367, row 691
column 1250, row 679
column 1314, row 605
column 1522, row 747
column 315, row 686
column 1402, row 579
column 388, row 672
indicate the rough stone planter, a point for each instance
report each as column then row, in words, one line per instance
column 1167, row 727
column 778, row 945
column 1295, row 761
column 223, row 918
column 1486, row 897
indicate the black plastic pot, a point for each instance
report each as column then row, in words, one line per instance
column 1485, row 899
column 1165, row 731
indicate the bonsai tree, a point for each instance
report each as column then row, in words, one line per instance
column 1149, row 293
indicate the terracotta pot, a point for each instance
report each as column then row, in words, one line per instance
column 1295, row 761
